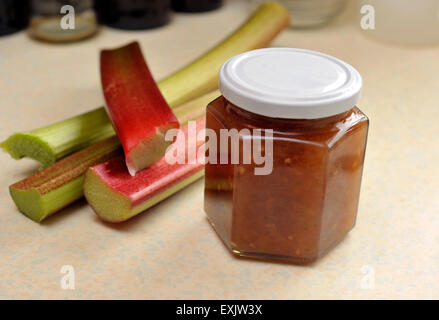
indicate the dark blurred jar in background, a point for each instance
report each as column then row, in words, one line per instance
column 196, row 5
column 14, row 16
column 133, row 14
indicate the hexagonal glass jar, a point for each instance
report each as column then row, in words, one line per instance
column 307, row 203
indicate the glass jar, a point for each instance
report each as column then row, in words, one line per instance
column 404, row 22
column 196, row 5
column 295, row 109
column 133, row 14
column 310, row 13
column 62, row 20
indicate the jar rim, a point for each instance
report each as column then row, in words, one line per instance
column 290, row 83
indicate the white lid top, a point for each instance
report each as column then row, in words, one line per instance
column 290, row 83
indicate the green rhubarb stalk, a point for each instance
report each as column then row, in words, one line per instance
column 58, row 185
column 195, row 108
column 53, row 188
column 51, row 143
column 201, row 75
column 48, row 144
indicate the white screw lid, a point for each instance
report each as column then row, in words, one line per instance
column 290, row 83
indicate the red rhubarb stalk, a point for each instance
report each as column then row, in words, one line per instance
column 49, row 190
column 139, row 113
column 116, row 196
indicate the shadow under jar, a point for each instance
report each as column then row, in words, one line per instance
column 308, row 201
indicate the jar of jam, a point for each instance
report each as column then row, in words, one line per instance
column 283, row 176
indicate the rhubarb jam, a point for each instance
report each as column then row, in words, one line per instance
column 308, row 201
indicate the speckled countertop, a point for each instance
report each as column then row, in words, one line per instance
column 171, row 251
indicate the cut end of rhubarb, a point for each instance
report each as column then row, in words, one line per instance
column 149, row 151
column 21, row 145
column 109, row 205
column 37, row 204
column 29, row 202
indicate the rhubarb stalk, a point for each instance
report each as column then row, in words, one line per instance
column 139, row 113
column 201, row 75
column 53, row 188
column 197, row 78
column 51, row 143
column 116, row 196
column 49, row 190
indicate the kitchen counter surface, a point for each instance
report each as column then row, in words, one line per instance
column 171, row 251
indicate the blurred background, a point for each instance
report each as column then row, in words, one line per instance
column 402, row 21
